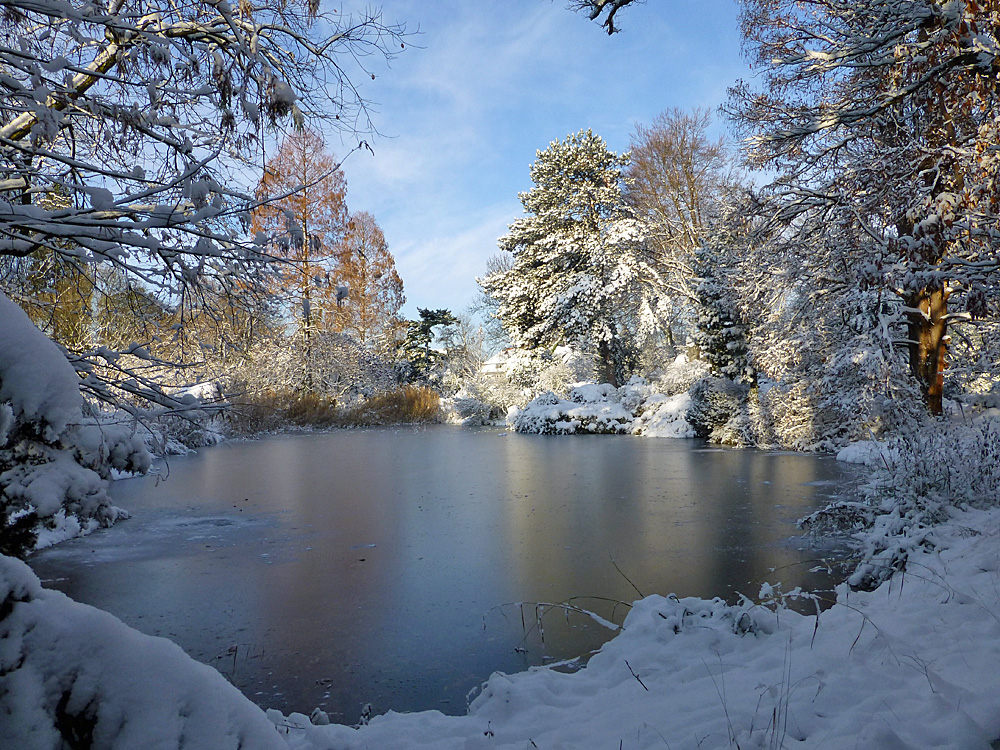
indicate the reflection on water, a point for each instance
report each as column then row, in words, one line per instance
column 381, row 565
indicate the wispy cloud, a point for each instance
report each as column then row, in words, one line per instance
column 483, row 86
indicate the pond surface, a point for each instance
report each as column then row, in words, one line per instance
column 384, row 566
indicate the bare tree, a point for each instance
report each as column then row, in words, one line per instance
column 678, row 179
column 596, row 8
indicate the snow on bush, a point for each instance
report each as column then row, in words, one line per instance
column 589, row 408
column 465, row 409
column 919, row 479
column 637, row 407
column 664, row 416
column 72, row 676
column 681, row 374
column 54, row 462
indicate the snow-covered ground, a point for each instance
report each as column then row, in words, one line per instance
column 914, row 664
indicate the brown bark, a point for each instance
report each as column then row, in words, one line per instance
column 928, row 343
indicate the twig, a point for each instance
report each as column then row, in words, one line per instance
column 641, row 595
column 636, row 676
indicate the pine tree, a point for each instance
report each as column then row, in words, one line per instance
column 719, row 333
column 577, row 257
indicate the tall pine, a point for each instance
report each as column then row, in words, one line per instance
column 577, row 257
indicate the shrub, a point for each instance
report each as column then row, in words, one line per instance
column 719, row 411
column 917, row 479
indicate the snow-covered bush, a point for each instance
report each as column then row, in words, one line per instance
column 664, row 416
column 680, row 374
column 919, row 478
column 332, row 365
column 464, row 408
column 54, row 462
column 589, row 408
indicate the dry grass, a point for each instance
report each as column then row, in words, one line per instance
column 407, row 404
column 276, row 410
column 273, row 410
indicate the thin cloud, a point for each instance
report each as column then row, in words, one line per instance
column 484, row 86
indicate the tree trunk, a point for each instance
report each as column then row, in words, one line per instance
column 928, row 345
column 606, row 367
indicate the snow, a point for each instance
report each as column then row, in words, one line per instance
column 665, row 417
column 914, row 664
column 54, row 462
column 68, row 670
column 866, row 452
column 35, row 378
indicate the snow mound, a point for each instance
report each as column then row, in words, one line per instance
column 867, row 452
column 74, row 676
column 35, row 378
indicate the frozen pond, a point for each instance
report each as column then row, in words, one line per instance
column 381, row 566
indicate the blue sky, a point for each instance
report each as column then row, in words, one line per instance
column 484, row 85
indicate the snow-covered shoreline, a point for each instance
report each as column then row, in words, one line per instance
column 913, row 664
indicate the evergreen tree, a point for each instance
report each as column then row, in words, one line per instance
column 577, row 254
column 416, row 349
column 719, row 333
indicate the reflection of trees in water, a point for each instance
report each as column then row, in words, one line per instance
column 462, row 522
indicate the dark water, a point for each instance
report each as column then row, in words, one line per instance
column 382, row 565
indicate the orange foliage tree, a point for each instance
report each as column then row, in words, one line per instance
column 369, row 290
column 303, row 214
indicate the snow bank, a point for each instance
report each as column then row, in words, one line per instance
column 74, row 676
column 914, row 666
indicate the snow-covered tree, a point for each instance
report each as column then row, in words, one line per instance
column 881, row 122
column 417, row 351
column 128, row 134
column 127, row 130
column 679, row 181
column 719, row 332
column 578, row 257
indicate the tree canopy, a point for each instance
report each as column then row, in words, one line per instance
column 577, row 256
